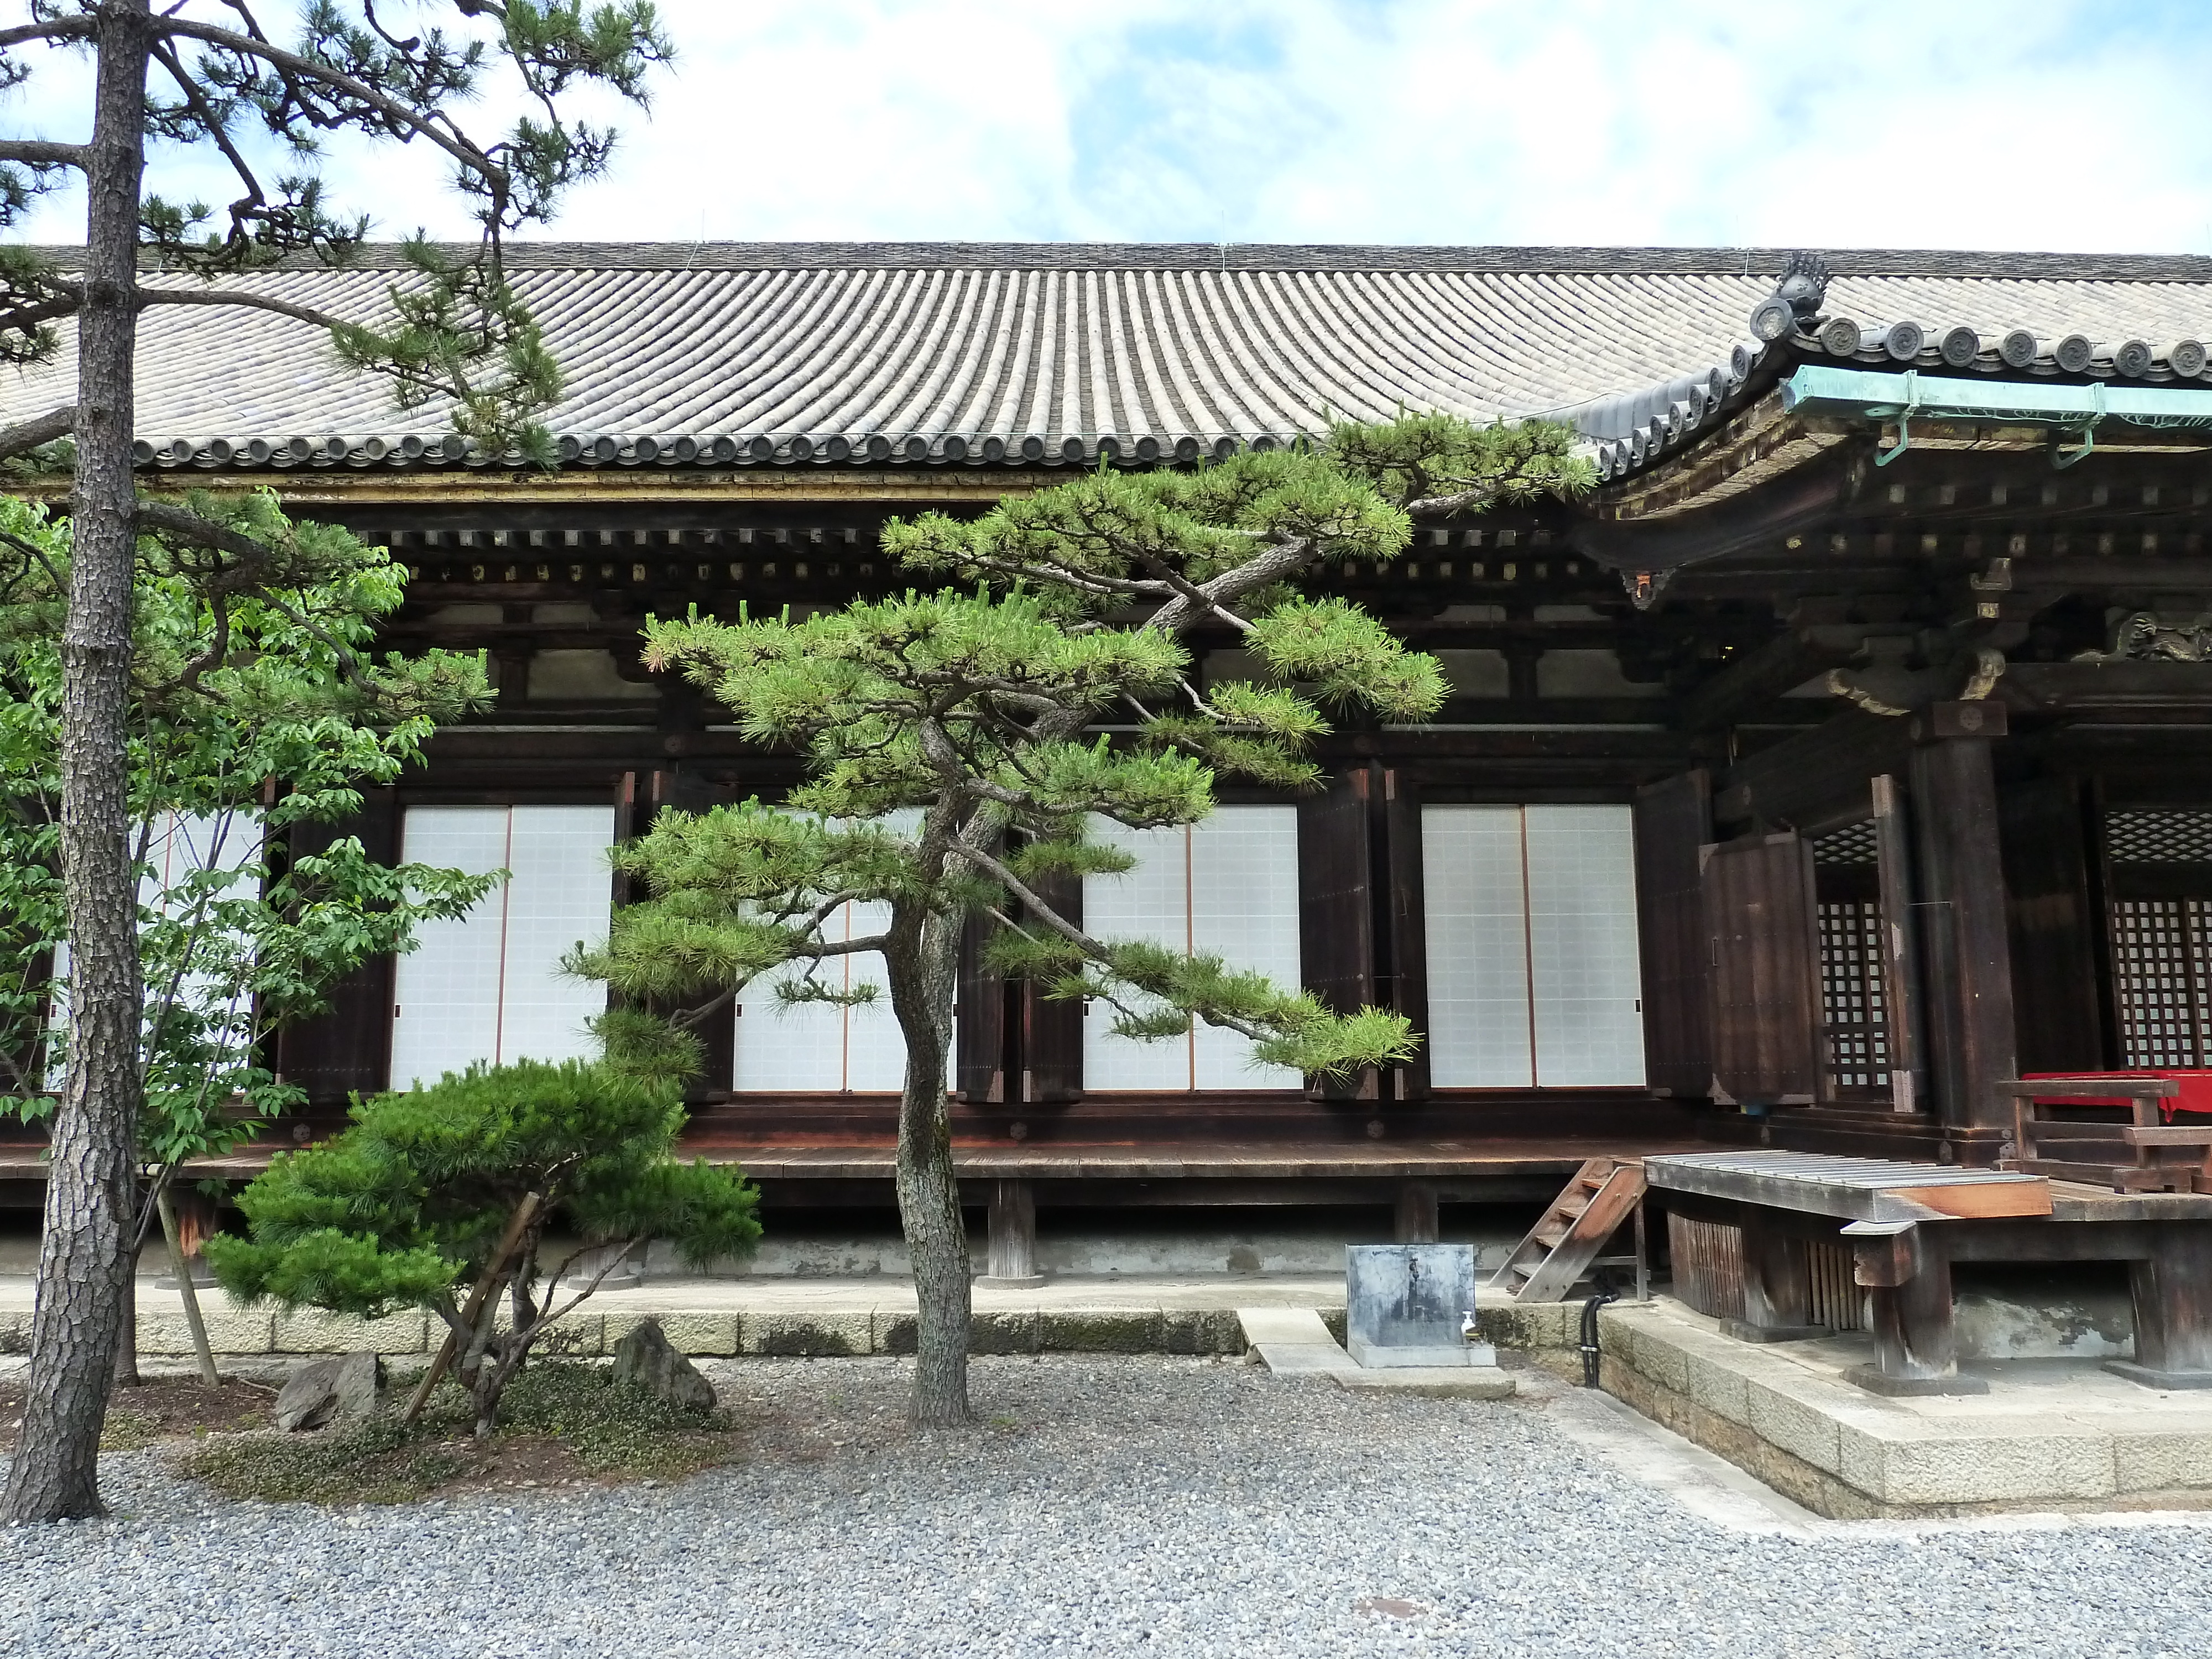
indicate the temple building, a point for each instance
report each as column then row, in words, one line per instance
column 1842, row 755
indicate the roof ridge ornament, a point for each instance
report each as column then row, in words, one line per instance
column 1797, row 300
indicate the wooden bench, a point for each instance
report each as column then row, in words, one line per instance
column 1782, row 1202
column 2138, row 1155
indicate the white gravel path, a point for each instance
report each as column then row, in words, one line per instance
column 1139, row 1505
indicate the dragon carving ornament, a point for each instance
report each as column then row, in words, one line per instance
column 2141, row 636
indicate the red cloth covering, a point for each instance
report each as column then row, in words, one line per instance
column 2195, row 1100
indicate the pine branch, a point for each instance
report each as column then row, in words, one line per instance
column 78, row 28
column 40, row 429
column 292, row 64
column 33, row 152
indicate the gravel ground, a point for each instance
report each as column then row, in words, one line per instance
column 1112, row 1506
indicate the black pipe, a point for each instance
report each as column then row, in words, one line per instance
column 1589, row 1348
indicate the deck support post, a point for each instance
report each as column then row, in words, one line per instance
column 1011, row 1263
column 1906, row 1275
column 2173, row 1295
column 1417, row 1212
column 1777, row 1287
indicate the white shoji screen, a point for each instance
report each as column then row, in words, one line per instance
column 177, row 843
column 1228, row 886
column 819, row 1048
column 1532, row 950
column 489, row 985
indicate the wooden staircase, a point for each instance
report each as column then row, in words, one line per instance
column 1564, row 1243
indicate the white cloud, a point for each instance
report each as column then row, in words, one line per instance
column 1972, row 122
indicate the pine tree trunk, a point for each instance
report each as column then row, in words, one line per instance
column 90, row 1190
column 922, row 961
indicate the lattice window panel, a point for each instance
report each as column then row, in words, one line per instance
column 1852, row 844
column 2162, row 971
column 1853, row 1006
column 2176, row 837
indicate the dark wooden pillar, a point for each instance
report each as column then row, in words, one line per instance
column 979, row 1020
column 2173, row 1295
column 347, row 1049
column 1777, row 1285
column 1052, row 1031
column 2059, row 1021
column 1336, row 910
column 1011, row 1262
column 1404, row 947
column 1674, row 819
column 1907, row 1278
column 1968, row 947
column 1417, row 1212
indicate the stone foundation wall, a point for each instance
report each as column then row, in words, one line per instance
column 594, row 1330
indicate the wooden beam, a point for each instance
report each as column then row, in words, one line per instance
column 1755, row 680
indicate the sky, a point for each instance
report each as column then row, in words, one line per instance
column 1986, row 123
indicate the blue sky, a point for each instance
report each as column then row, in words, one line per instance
column 2033, row 123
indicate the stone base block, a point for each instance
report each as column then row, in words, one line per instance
column 2151, row 1378
column 1378, row 1356
column 801, row 1335
column 998, row 1282
column 687, row 1332
column 1874, row 1381
column 1436, row 1382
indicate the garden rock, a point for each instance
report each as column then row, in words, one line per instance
column 343, row 1388
column 646, row 1358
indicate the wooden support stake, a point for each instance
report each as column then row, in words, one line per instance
column 181, row 1266
column 486, row 1287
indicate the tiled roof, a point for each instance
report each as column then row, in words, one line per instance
column 770, row 353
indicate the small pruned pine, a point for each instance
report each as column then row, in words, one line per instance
column 440, row 1193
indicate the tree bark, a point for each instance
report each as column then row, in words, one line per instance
column 923, row 960
column 91, row 1189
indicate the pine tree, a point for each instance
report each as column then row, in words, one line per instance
column 441, row 1197
column 252, row 715
column 454, row 336
column 965, row 710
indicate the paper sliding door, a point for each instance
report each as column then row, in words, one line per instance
column 1532, row 972
column 1228, row 886
column 487, row 986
